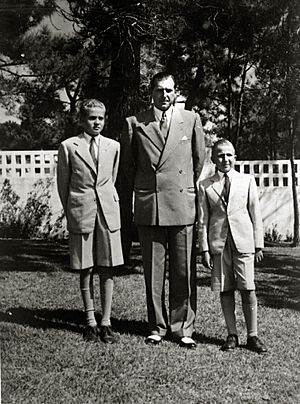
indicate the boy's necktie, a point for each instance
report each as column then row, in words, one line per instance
column 93, row 151
column 163, row 124
column 226, row 187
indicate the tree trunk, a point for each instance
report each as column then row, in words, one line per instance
column 229, row 106
column 296, row 237
column 123, row 101
column 290, row 113
column 123, row 88
column 240, row 106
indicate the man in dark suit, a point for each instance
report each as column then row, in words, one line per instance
column 162, row 153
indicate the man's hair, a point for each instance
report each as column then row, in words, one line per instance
column 160, row 76
column 220, row 142
column 90, row 103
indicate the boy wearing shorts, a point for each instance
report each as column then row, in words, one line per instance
column 86, row 173
column 231, row 240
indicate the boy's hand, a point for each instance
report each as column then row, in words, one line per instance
column 258, row 255
column 206, row 260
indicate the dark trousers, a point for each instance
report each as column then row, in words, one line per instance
column 179, row 241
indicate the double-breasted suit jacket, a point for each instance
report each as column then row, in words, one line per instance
column 240, row 215
column 82, row 186
column 164, row 174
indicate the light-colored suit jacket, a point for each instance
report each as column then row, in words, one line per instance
column 163, row 173
column 82, row 189
column 241, row 214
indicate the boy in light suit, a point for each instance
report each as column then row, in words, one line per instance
column 86, row 173
column 231, row 240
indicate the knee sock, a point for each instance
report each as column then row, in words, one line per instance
column 228, row 308
column 249, row 304
column 87, row 292
column 106, row 293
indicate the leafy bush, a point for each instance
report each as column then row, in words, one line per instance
column 272, row 235
column 29, row 221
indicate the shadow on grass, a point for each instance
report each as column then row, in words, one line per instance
column 277, row 276
column 278, row 279
column 49, row 256
column 33, row 255
column 73, row 321
column 70, row 320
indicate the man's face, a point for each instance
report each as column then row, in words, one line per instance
column 224, row 157
column 163, row 94
column 93, row 121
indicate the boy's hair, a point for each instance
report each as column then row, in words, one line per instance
column 220, row 142
column 90, row 103
column 159, row 77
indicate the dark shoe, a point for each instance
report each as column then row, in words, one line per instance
column 187, row 342
column 255, row 344
column 90, row 333
column 153, row 339
column 107, row 335
column 231, row 342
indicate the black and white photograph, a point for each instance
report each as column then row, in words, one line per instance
column 149, row 201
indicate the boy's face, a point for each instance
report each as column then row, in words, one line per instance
column 93, row 121
column 224, row 157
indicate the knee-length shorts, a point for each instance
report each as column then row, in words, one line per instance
column 100, row 248
column 232, row 270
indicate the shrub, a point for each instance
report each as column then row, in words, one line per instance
column 272, row 235
column 29, row 221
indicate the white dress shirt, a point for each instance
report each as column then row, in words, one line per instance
column 95, row 144
column 158, row 114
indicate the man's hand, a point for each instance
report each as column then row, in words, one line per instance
column 207, row 260
column 258, row 255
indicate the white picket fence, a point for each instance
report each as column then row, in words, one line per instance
column 273, row 178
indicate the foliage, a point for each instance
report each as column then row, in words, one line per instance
column 15, row 19
column 10, row 210
column 272, row 235
column 31, row 220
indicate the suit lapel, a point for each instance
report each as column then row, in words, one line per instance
column 102, row 152
column 174, row 137
column 150, row 129
column 84, row 152
column 218, row 188
column 235, row 183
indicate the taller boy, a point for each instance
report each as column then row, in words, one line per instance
column 86, row 173
column 162, row 152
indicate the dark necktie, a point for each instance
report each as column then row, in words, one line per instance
column 164, row 125
column 226, row 187
column 92, row 150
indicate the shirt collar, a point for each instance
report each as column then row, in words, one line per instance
column 158, row 113
column 221, row 175
column 88, row 138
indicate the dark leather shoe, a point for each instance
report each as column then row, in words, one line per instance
column 106, row 335
column 256, row 345
column 231, row 342
column 187, row 342
column 153, row 339
column 90, row 333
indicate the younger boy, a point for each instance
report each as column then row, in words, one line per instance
column 231, row 239
column 86, row 172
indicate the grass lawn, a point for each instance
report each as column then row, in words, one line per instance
column 45, row 360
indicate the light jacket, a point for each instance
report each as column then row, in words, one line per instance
column 82, row 188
